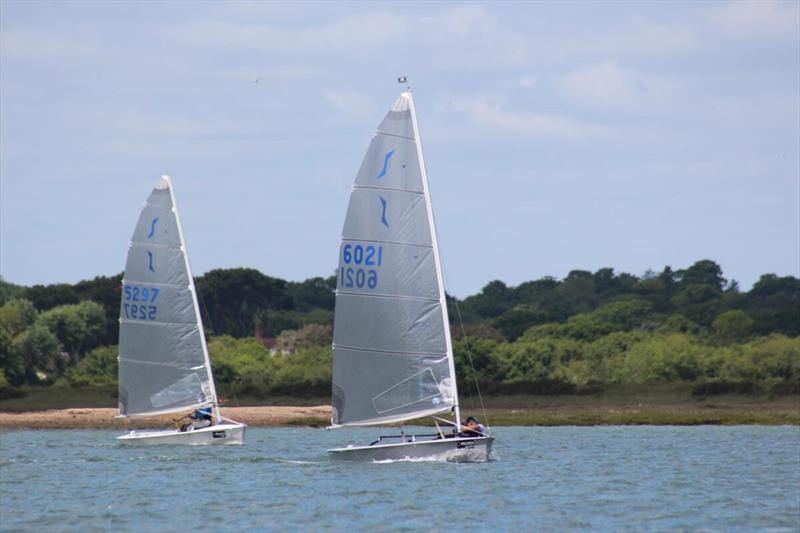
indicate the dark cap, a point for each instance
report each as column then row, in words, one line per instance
column 472, row 419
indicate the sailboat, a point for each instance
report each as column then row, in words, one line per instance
column 392, row 353
column 164, row 365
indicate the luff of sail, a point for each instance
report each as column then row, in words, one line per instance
column 392, row 359
column 163, row 361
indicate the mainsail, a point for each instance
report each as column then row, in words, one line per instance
column 392, row 355
column 163, row 358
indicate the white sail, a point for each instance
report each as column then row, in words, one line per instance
column 163, row 358
column 392, row 355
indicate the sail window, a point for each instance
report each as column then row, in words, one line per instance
column 419, row 387
column 182, row 391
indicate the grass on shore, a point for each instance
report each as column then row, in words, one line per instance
column 655, row 404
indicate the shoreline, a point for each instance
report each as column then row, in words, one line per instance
column 104, row 418
column 703, row 413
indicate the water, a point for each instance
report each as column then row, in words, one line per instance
column 604, row 478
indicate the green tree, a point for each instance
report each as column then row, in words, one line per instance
column 578, row 291
column 704, row 272
column 46, row 297
column 514, row 322
column 106, row 291
column 9, row 291
column 732, row 326
column 99, row 367
column 41, row 354
column 774, row 305
column 11, row 363
column 237, row 299
column 494, row 299
column 313, row 293
column 16, row 315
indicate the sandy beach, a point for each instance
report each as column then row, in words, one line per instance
column 104, row 418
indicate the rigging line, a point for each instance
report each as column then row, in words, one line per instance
column 469, row 355
column 210, row 324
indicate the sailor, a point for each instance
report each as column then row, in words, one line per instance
column 200, row 419
column 472, row 428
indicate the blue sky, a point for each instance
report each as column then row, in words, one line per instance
column 557, row 136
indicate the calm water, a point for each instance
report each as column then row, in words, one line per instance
column 610, row 478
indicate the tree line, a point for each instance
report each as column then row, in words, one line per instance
column 690, row 324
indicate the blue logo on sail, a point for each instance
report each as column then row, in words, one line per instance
column 384, row 203
column 386, row 158
column 150, row 259
column 152, row 228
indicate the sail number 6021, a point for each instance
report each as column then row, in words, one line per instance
column 368, row 255
column 360, row 256
column 358, row 277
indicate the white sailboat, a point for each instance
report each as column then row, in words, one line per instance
column 164, row 365
column 392, row 353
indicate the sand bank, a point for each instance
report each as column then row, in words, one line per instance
column 104, row 418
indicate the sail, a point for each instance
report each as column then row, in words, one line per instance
column 163, row 359
column 392, row 358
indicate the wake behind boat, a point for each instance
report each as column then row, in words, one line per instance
column 392, row 352
column 164, row 365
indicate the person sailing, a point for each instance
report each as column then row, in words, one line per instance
column 472, row 428
column 201, row 418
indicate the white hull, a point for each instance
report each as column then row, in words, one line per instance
column 464, row 449
column 227, row 433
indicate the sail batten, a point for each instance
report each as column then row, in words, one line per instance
column 392, row 359
column 163, row 359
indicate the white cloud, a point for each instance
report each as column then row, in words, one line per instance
column 463, row 19
column 527, row 82
column 350, row 102
column 358, row 30
column 348, row 32
column 646, row 36
column 531, row 124
column 757, row 18
column 609, row 86
column 35, row 45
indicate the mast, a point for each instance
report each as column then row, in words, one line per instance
column 195, row 303
column 437, row 261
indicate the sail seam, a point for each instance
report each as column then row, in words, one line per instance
column 156, row 244
column 395, row 189
column 175, row 285
column 152, row 363
column 395, row 135
column 156, row 323
column 388, row 242
column 391, row 296
column 387, row 352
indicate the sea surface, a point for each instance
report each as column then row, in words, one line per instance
column 542, row 479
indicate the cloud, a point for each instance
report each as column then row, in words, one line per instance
column 35, row 45
column 761, row 18
column 530, row 124
column 609, row 86
column 463, row 19
column 358, row 30
column 350, row 102
column 646, row 36
column 367, row 29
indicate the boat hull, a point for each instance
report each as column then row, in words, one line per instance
column 456, row 449
column 220, row 434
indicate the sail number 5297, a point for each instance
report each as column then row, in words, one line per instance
column 145, row 298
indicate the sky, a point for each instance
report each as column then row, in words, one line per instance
column 557, row 136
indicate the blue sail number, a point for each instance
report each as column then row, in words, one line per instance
column 360, row 256
column 145, row 298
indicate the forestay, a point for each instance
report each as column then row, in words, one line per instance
column 392, row 358
column 163, row 359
